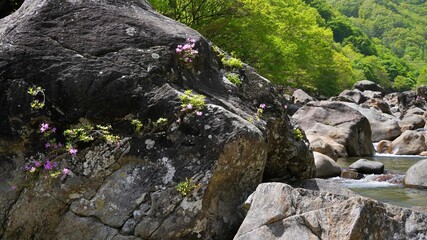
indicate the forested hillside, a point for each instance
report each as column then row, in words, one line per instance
column 321, row 46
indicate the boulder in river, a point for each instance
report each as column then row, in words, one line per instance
column 417, row 174
column 325, row 166
column 383, row 126
column 409, row 143
column 367, row 167
column 339, row 122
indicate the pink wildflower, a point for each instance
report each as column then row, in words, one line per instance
column 73, row 151
column 48, row 165
column 262, row 106
column 190, row 106
column 65, row 171
column 198, row 113
column 47, row 145
column 44, row 127
column 37, row 164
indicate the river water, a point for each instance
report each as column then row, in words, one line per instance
column 390, row 190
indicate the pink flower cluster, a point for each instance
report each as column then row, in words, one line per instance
column 190, row 107
column 186, row 52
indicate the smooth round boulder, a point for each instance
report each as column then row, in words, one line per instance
column 416, row 121
column 417, row 174
column 367, row 167
column 326, row 167
column 409, row 143
column 368, row 85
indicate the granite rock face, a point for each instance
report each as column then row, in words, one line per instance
column 106, row 62
column 278, row 211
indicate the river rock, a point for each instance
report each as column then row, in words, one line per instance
column 408, row 100
column 378, row 104
column 383, row 126
column 350, row 174
column 327, row 146
column 415, row 111
column 339, row 122
column 412, row 122
column 409, row 143
column 108, row 62
column 417, row 174
column 301, row 97
column 364, row 85
column 325, row 166
column 278, row 211
column 367, row 167
column 355, row 95
column 383, row 146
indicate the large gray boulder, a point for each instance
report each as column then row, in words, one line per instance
column 107, row 62
column 383, row 126
column 325, row 166
column 278, row 211
column 339, row 122
column 412, row 122
column 417, row 174
column 409, row 143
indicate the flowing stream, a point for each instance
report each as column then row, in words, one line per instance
column 388, row 187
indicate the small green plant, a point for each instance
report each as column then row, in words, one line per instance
column 160, row 123
column 233, row 78
column 185, row 187
column 88, row 133
column 39, row 97
column 298, row 135
column 259, row 112
column 192, row 102
column 137, row 124
column 232, row 62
